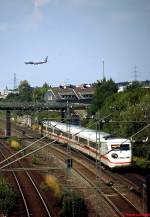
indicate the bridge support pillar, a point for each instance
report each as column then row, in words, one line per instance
column 63, row 111
column 41, row 131
column 8, row 123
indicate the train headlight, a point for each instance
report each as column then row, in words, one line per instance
column 114, row 155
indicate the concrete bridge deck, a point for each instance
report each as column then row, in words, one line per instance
column 53, row 105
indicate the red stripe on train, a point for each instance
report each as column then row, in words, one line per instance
column 115, row 162
column 89, row 148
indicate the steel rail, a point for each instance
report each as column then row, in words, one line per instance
column 94, row 186
column 117, row 193
column 38, row 192
column 112, row 187
column 35, row 187
column 20, row 189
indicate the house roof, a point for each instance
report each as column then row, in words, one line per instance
column 71, row 91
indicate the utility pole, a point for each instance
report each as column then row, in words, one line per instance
column 135, row 73
column 99, row 208
column 103, row 70
column 69, row 158
column 15, row 81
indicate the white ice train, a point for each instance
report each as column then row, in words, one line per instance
column 114, row 152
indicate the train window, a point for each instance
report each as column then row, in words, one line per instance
column 70, row 136
column 104, row 146
column 93, row 145
column 84, row 141
column 76, row 138
column 57, row 132
column 122, row 147
column 115, row 146
column 65, row 134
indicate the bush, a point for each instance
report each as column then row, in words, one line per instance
column 73, row 205
column 15, row 143
column 7, row 197
column 141, row 163
column 52, row 183
column 35, row 160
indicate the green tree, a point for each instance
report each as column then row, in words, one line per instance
column 25, row 91
column 12, row 97
column 45, row 86
column 39, row 92
column 103, row 89
column 132, row 112
column 7, row 197
column 73, row 205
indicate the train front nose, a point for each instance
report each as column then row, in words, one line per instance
column 120, row 158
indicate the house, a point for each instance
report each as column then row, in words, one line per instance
column 83, row 93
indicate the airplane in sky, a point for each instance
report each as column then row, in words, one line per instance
column 37, row 63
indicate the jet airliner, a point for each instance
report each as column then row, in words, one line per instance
column 37, row 63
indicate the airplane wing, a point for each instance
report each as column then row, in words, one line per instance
column 29, row 62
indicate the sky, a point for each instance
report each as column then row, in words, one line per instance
column 77, row 36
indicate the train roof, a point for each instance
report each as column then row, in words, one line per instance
column 85, row 133
column 77, row 130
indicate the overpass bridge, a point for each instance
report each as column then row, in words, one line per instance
column 38, row 106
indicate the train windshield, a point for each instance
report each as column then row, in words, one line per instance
column 122, row 147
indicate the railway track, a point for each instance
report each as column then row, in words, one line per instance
column 135, row 180
column 33, row 202
column 117, row 200
column 118, row 181
column 22, row 209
